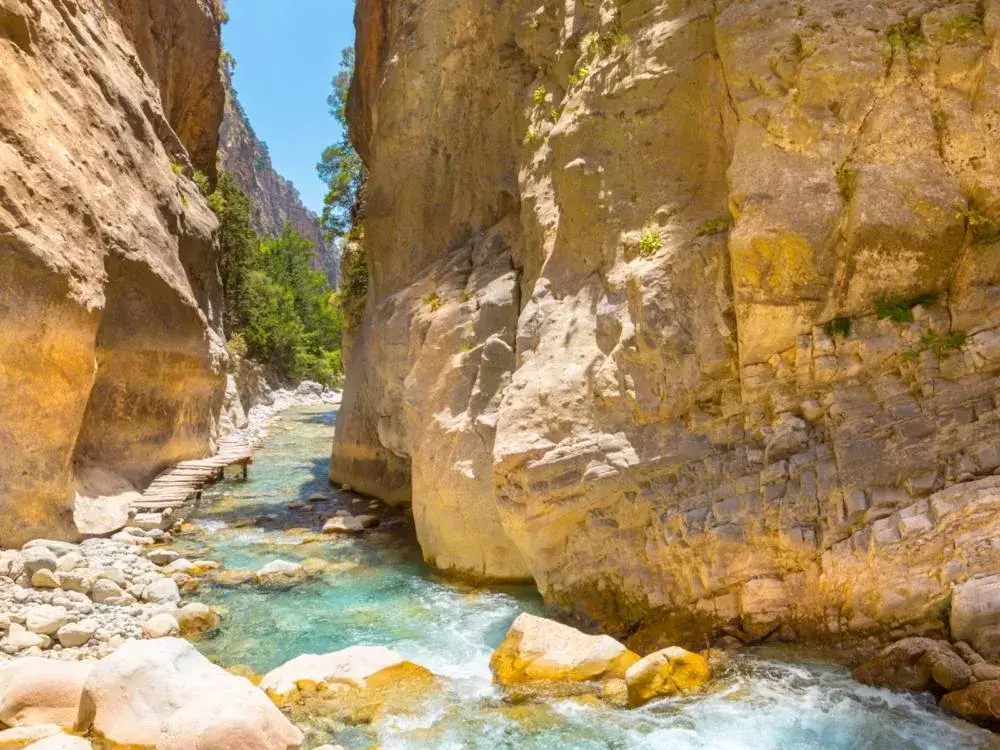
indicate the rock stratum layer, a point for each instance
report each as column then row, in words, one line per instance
column 110, row 300
column 275, row 200
column 627, row 266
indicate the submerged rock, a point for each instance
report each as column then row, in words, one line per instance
column 350, row 524
column 545, row 654
column 355, row 684
column 164, row 694
column 916, row 664
column 197, row 618
column 668, row 672
column 42, row 691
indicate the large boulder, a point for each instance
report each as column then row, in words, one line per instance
column 356, row 684
column 975, row 614
column 43, row 691
column 979, row 703
column 545, row 654
column 916, row 664
column 672, row 671
column 102, row 516
column 163, row 694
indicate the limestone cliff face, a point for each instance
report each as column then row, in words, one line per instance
column 110, row 299
column 642, row 320
column 275, row 199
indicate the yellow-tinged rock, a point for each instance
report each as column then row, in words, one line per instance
column 672, row 671
column 356, row 684
column 537, row 650
column 18, row 737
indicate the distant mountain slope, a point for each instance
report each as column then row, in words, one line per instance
column 276, row 200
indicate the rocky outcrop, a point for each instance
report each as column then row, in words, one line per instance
column 110, row 301
column 688, row 311
column 275, row 200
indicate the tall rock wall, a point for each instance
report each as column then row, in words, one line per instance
column 643, row 320
column 110, row 299
column 275, row 199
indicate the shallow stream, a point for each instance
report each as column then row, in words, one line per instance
column 379, row 592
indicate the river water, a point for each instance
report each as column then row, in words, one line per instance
column 379, row 592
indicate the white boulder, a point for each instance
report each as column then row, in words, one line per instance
column 42, row 691
column 164, row 694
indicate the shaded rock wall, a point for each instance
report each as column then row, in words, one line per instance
column 275, row 199
column 110, row 300
column 622, row 332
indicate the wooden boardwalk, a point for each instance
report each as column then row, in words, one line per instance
column 182, row 484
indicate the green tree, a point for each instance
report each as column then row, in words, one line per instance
column 275, row 301
column 239, row 246
column 340, row 167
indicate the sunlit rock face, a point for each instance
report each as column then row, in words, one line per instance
column 642, row 319
column 110, row 299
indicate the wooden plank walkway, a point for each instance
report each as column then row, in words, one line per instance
column 182, row 484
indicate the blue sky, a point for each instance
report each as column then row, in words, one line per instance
column 287, row 52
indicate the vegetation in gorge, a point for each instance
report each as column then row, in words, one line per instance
column 899, row 309
column 340, row 167
column 343, row 172
column 278, row 309
column 838, row 327
column 649, row 243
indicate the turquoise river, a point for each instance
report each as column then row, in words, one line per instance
column 378, row 592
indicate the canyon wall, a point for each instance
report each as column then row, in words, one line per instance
column 111, row 358
column 687, row 310
column 275, row 199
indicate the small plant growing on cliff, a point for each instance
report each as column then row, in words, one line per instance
column 943, row 344
column 531, row 137
column 176, row 167
column 579, row 75
column 237, row 345
column 539, row 94
column 649, row 243
column 432, row 300
column 202, row 181
column 555, row 113
column 847, row 181
column 963, row 23
column 940, row 119
column 909, row 355
column 906, row 35
column 466, row 296
column 984, row 230
column 898, row 308
column 714, row 226
column 838, row 327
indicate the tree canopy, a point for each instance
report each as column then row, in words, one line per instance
column 278, row 309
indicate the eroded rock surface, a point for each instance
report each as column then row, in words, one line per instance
column 110, row 353
column 687, row 311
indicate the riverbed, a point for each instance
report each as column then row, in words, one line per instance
column 377, row 591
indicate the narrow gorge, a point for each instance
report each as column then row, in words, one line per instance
column 657, row 343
